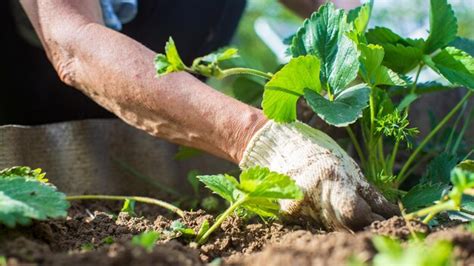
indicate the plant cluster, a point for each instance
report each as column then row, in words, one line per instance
column 366, row 80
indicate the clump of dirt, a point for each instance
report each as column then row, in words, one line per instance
column 398, row 227
column 97, row 234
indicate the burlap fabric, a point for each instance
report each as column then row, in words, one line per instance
column 91, row 156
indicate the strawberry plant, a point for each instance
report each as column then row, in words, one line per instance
column 257, row 192
column 366, row 80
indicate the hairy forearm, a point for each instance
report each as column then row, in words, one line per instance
column 118, row 73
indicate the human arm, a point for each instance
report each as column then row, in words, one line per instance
column 118, row 73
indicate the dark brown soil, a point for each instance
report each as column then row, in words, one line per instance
column 97, row 234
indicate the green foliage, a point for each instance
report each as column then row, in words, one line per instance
column 178, row 227
column 443, row 26
column 284, row 89
column 391, row 252
column 24, row 195
column 455, row 65
column 185, row 153
column 423, row 195
column 323, row 35
column 146, row 240
column 401, row 55
column 360, row 16
column 258, row 192
column 395, row 125
column 345, row 109
column 371, row 69
column 129, row 207
column 169, row 62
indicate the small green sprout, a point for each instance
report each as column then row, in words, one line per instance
column 463, row 183
column 146, row 240
column 108, row 240
column 129, row 207
column 258, row 192
column 392, row 253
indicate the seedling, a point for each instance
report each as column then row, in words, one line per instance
column 146, row 240
column 257, row 192
column 391, row 252
column 354, row 78
column 463, row 184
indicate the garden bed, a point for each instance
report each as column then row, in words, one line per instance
column 98, row 233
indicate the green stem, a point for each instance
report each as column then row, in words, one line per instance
column 160, row 203
column 413, row 88
column 381, row 153
column 393, row 156
column 402, row 176
column 455, row 126
column 370, row 150
column 244, row 71
column 220, row 220
column 431, row 211
column 356, row 145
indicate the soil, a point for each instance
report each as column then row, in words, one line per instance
column 97, row 234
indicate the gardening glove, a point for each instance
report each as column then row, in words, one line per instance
column 336, row 194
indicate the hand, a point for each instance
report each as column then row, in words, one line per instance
column 337, row 196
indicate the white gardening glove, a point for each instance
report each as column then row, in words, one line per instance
column 337, row 196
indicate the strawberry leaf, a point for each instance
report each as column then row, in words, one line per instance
column 171, row 62
column 371, row 69
column 223, row 185
column 455, row 65
column 323, row 35
column 344, row 110
column 443, row 26
column 23, row 199
column 359, row 17
column 401, row 55
column 287, row 85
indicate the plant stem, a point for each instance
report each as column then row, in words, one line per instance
column 220, row 220
column 157, row 202
column 401, row 175
column 244, row 71
column 413, row 88
column 431, row 211
column 393, row 156
column 356, row 145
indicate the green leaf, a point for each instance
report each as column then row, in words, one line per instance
column 178, row 227
column 129, row 207
column 23, row 199
column 401, row 55
column 223, row 185
column 455, row 65
column 193, row 181
column 146, row 240
column 344, row 110
column 359, row 17
column 171, row 62
column 287, row 85
column 439, row 169
column 24, row 171
column 217, row 57
column 203, row 229
column 423, row 195
column 259, row 182
column 323, row 35
column 262, row 207
column 443, row 26
column 467, row 45
column 371, row 68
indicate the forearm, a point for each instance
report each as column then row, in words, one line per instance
column 118, row 73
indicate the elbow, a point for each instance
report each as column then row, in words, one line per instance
column 64, row 52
